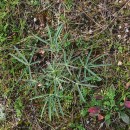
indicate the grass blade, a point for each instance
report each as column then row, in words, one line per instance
column 40, row 39
column 43, row 109
column 60, row 107
column 94, row 74
column 49, row 34
column 92, row 61
column 20, row 54
column 49, row 108
column 58, row 33
column 80, row 93
column 88, row 57
column 19, row 59
column 101, row 65
column 55, row 109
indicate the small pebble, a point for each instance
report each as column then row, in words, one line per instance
column 119, row 36
column 119, row 63
column 126, row 30
column 34, row 19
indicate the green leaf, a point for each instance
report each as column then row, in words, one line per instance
column 2, row 114
column 88, row 57
column 49, row 34
column 18, row 106
column 60, row 107
column 125, row 118
column 43, row 109
column 19, row 60
column 95, row 59
column 50, row 108
column 57, row 34
column 99, row 79
column 80, row 93
column 40, row 39
column 20, row 54
column 107, row 117
column 83, row 112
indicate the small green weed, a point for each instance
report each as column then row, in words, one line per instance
column 59, row 72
